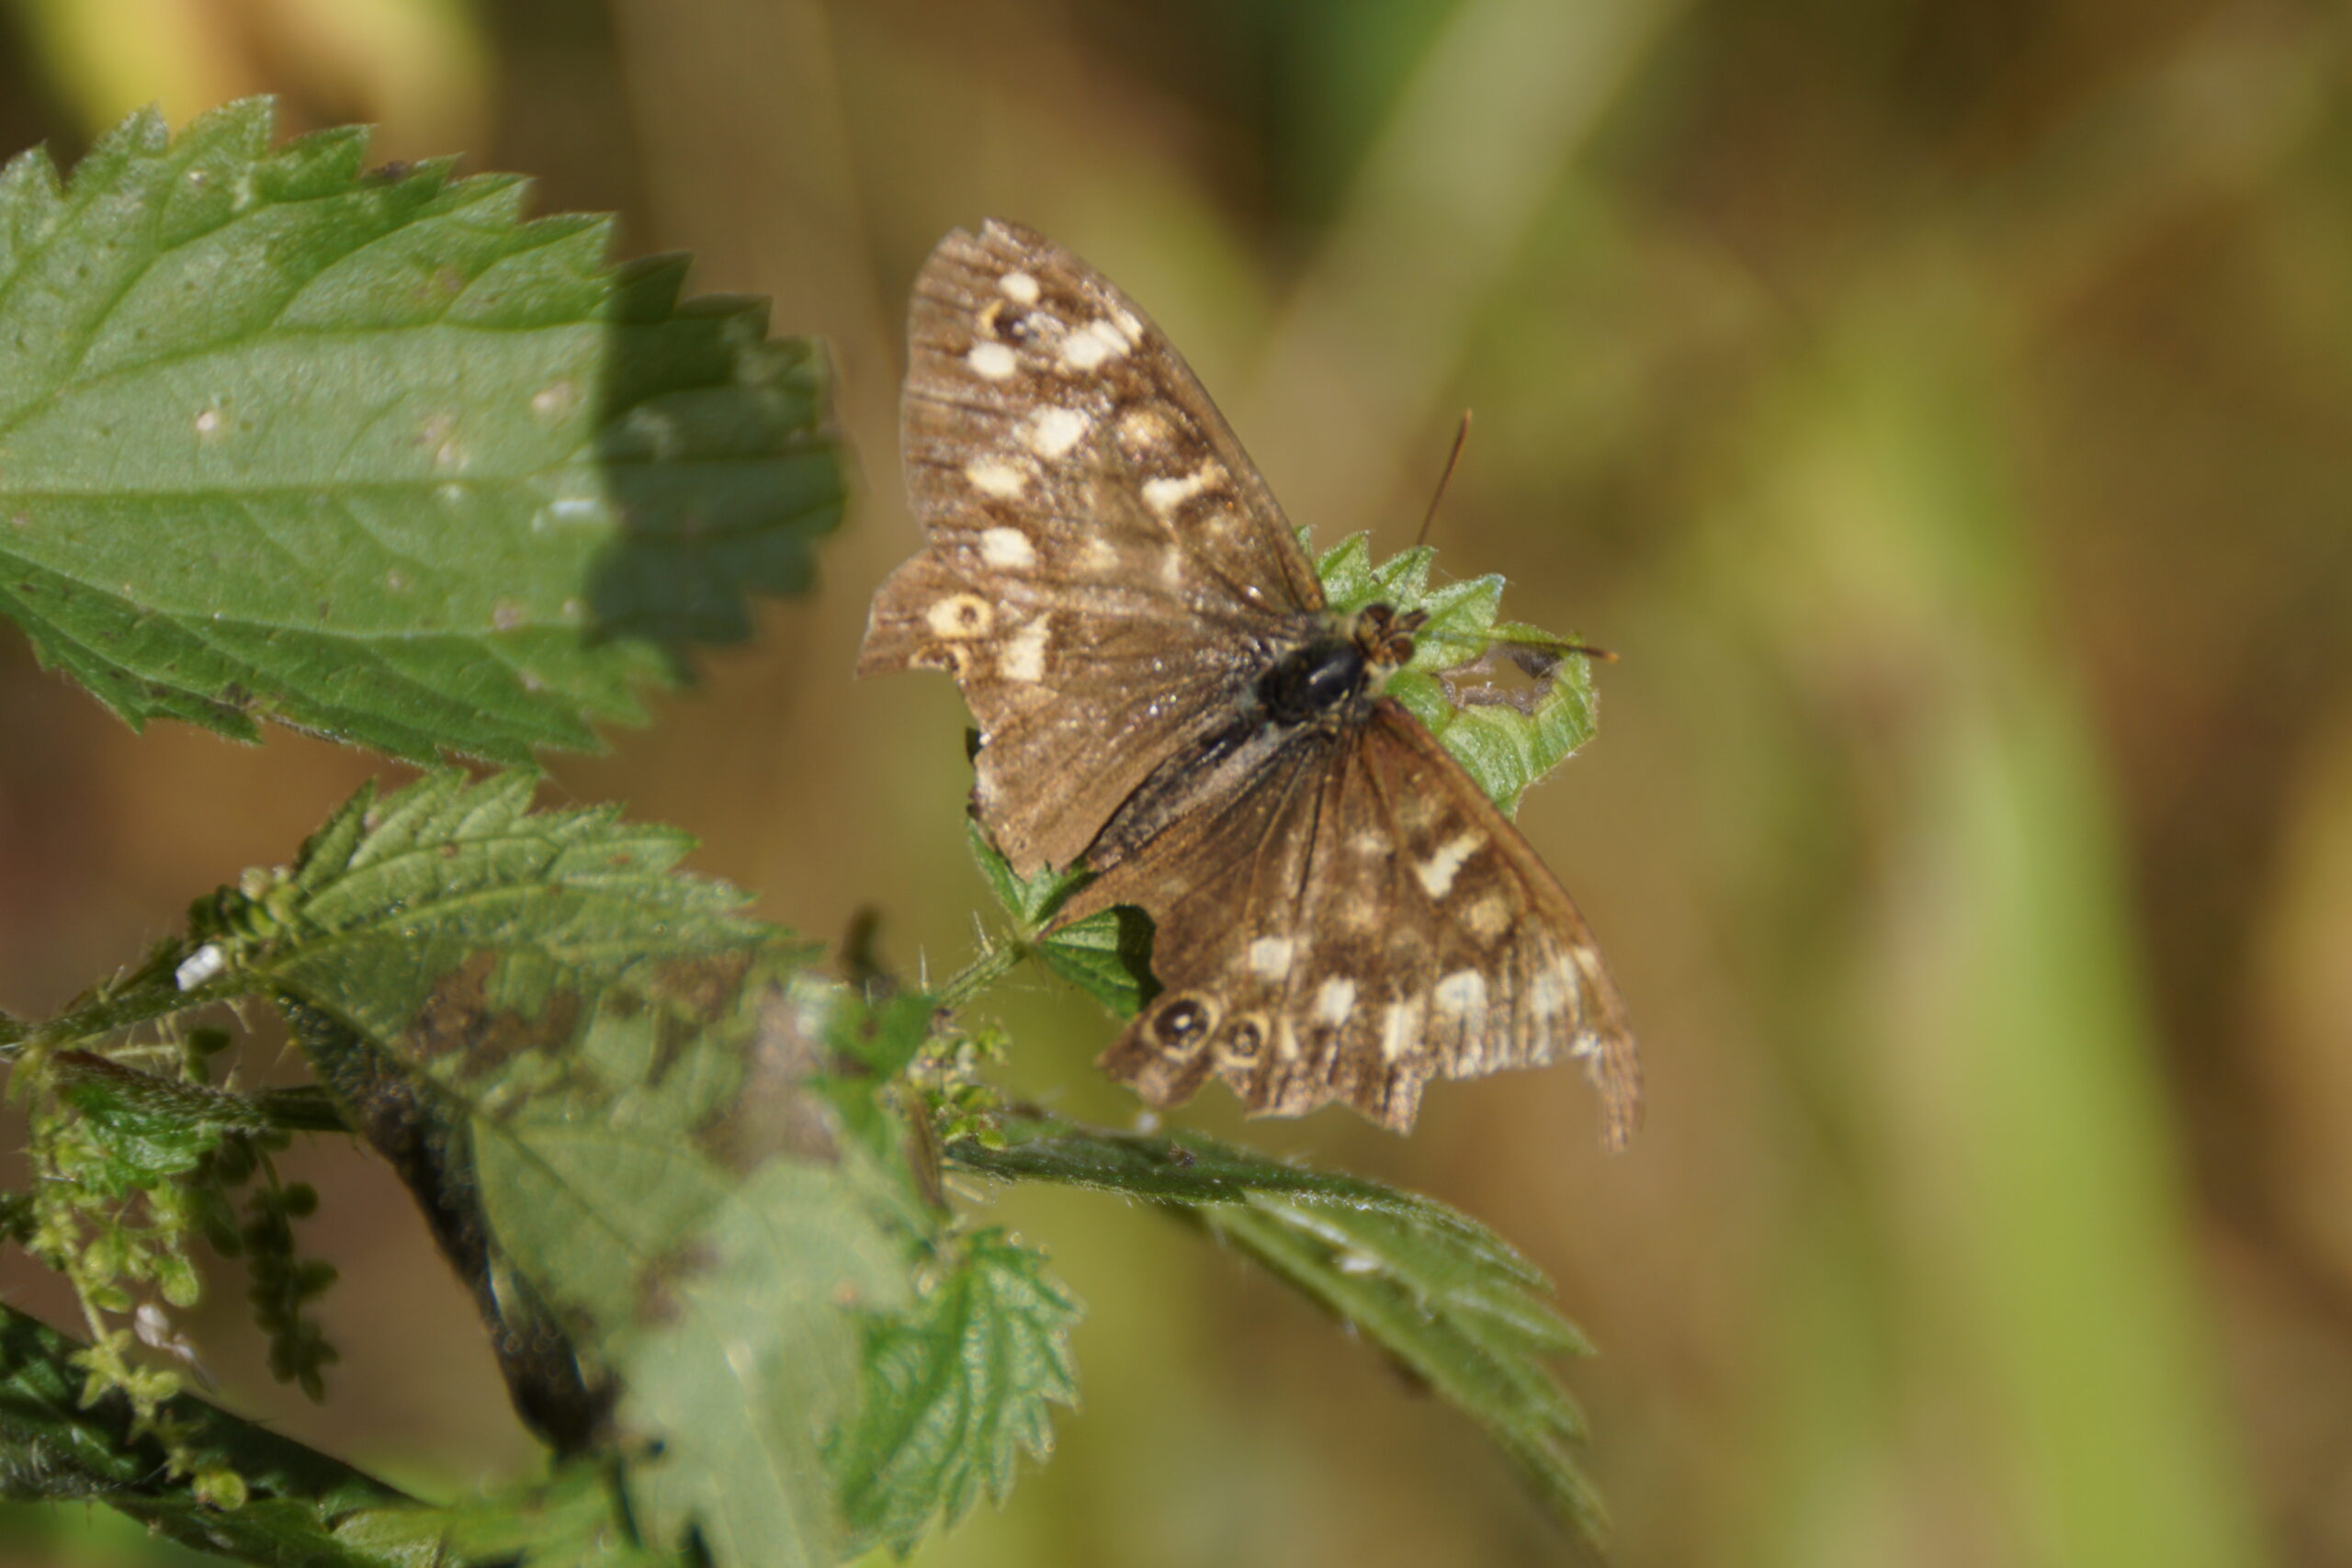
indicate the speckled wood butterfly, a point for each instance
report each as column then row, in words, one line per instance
column 1165, row 697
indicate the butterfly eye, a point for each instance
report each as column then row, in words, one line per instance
column 1383, row 635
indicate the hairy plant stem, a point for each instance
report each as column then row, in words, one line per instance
column 993, row 965
column 150, row 992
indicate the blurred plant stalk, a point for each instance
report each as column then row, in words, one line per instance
column 1477, row 143
column 1998, row 1207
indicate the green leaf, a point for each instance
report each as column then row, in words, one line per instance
column 1108, row 955
column 1506, row 738
column 300, row 1506
column 146, row 1128
column 748, row 1357
column 643, row 1127
column 391, row 896
column 871, row 1044
column 1441, row 1294
column 955, row 1389
column 1031, row 901
column 371, row 456
column 573, row 1518
column 1468, row 1320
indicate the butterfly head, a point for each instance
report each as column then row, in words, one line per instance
column 1386, row 638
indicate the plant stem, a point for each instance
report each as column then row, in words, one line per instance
column 993, row 965
column 150, row 993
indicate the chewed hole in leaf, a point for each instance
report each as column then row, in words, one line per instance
column 1503, row 676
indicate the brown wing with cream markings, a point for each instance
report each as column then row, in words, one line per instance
column 1358, row 921
column 1104, row 570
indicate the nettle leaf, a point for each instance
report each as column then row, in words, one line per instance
column 371, row 456
column 1441, row 1293
column 753, row 1356
column 1507, row 737
column 957, row 1388
column 624, row 1105
column 1107, row 955
column 1462, row 1312
column 868, row 1044
column 393, row 895
column 569, row 1519
column 298, row 1505
column 1031, row 901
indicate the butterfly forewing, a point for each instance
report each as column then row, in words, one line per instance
column 1105, row 566
column 1162, row 696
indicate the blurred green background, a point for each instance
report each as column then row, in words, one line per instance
column 1945, row 406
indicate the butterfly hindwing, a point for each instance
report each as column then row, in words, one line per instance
column 1079, row 492
column 1530, row 987
column 1359, row 920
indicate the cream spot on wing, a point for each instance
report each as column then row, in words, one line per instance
column 1093, row 343
column 1019, row 288
column 1172, row 568
column 1129, row 323
column 992, row 361
column 1586, row 1044
column 994, row 476
column 1461, row 994
column 1335, row 1001
column 1141, row 429
column 1285, row 1039
column 1270, row 956
column 1022, row 657
column 1099, row 554
column 1007, row 548
column 1490, row 918
column 1546, row 995
column 1395, row 1030
column 946, row 656
column 960, row 616
column 1371, row 844
column 1165, row 495
column 1438, row 872
column 1054, row 430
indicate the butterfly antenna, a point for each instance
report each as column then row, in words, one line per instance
column 1461, row 436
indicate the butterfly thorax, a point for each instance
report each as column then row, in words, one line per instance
column 1321, row 677
column 1332, row 674
column 1316, row 686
